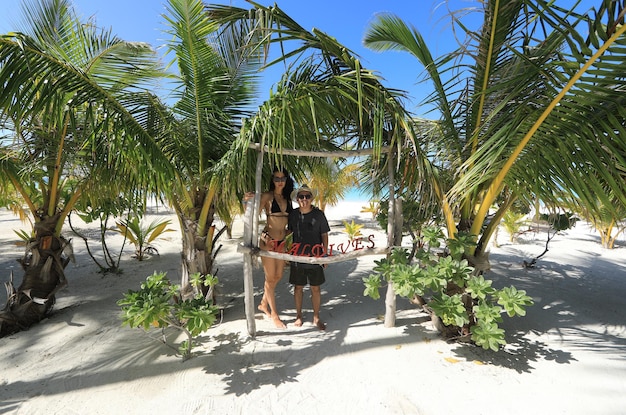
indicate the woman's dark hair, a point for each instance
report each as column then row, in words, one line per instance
column 288, row 184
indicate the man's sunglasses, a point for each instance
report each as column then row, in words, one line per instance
column 280, row 179
column 308, row 196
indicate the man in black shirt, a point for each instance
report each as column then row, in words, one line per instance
column 310, row 235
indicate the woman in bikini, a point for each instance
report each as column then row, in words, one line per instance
column 277, row 204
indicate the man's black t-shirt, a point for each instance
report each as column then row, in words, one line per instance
column 307, row 231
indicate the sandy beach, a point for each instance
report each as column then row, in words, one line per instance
column 566, row 356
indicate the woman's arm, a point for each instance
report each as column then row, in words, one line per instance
column 265, row 197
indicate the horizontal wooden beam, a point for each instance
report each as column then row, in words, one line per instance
column 313, row 260
column 304, row 153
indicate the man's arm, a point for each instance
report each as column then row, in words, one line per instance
column 325, row 242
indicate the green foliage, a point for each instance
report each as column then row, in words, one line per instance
column 488, row 313
column 197, row 279
column 512, row 222
column 465, row 303
column 450, row 309
column 461, row 245
column 560, row 221
column 372, row 208
column 353, row 230
column 25, row 236
column 478, row 287
column 488, row 336
column 514, row 301
column 372, row 286
column 405, row 283
column 141, row 236
column 432, row 236
column 158, row 303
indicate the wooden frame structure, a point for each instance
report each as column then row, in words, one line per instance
column 249, row 247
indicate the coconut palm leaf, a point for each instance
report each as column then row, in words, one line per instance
column 79, row 112
column 213, row 94
column 326, row 100
column 517, row 123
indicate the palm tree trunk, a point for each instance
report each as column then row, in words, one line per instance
column 197, row 256
column 44, row 263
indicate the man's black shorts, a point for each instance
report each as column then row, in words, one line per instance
column 301, row 275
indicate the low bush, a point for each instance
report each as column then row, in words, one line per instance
column 159, row 304
column 462, row 304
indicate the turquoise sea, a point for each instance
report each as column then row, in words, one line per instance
column 355, row 195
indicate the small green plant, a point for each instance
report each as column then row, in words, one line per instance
column 159, row 304
column 466, row 304
column 353, row 230
column 101, row 212
column 142, row 236
column 512, row 222
column 373, row 208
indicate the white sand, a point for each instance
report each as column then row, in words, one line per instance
column 567, row 356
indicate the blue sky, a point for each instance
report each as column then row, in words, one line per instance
column 346, row 20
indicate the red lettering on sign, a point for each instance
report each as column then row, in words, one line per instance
column 317, row 250
column 357, row 244
column 294, row 249
column 298, row 249
column 342, row 249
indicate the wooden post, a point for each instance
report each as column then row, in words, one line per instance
column 398, row 222
column 390, row 297
column 250, row 233
column 248, row 284
column 251, row 225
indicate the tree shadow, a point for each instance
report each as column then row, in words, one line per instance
column 569, row 299
column 281, row 356
column 577, row 306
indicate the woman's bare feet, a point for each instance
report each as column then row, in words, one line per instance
column 264, row 309
column 278, row 323
column 298, row 322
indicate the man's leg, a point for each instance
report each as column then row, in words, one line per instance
column 297, row 296
column 316, row 299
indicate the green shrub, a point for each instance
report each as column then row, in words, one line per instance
column 466, row 304
column 158, row 303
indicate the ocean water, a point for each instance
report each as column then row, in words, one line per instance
column 355, row 195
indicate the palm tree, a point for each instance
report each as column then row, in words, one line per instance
column 73, row 100
column 325, row 101
column 608, row 221
column 332, row 181
column 214, row 90
column 529, row 107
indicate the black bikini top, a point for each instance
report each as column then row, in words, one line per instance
column 275, row 208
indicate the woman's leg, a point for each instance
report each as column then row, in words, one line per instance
column 263, row 305
column 273, row 273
